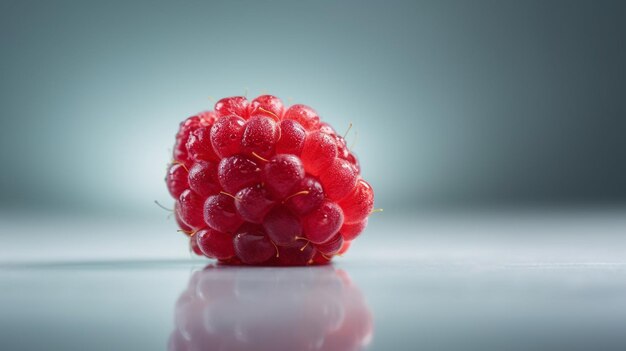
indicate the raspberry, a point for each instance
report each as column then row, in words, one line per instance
column 182, row 225
column 226, row 135
column 332, row 246
column 189, row 209
column 256, row 183
column 176, row 179
column 304, row 115
column 318, row 152
column 281, row 174
column 253, row 203
column 291, row 139
column 339, row 179
column 282, row 226
column 327, row 128
column 259, row 136
column 215, row 244
column 359, row 203
column 237, row 172
column 344, row 247
column 199, row 145
column 320, row 225
column 252, row 245
column 202, row 178
column 267, row 105
column 232, row 106
column 221, row 214
column 193, row 246
column 349, row 231
column 311, row 196
column 189, row 125
column 295, row 256
column 313, row 309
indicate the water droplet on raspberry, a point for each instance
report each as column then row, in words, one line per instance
column 306, row 116
column 310, row 196
column 339, row 179
column 189, row 209
column 344, row 153
column 252, row 246
column 237, row 172
column 281, row 174
column 342, row 147
column 318, row 152
column 350, row 231
column 215, row 244
column 320, row 225
column 176, row 180
column 199, row 145
column 253, row 203
column 292, row 137
column 328, row 129
column 282, row 226
column 266, row 105
column 226, row 135
column 186, row 127
column 259, row 136
column 359, row 203
column 232, row 106
column 203, row 178
column 354, row 161
column 220, row 213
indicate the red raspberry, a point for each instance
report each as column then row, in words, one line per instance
column 282, row 226
column 187, row 126
column 177, row 179
column 256, row 183
column 352, row 230
column 232, row 106
column 202, row 178
column 214, row 244
column 318, row 152
column 291, row 138
column 332, row 246
column 267, row 105
column 259, row 136
column 254, row 203
column 306, row 116
column 226, row 135
column 189, row 207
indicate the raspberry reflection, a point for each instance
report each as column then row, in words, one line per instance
column 312, row 308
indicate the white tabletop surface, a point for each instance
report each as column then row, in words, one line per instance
column 542, row 280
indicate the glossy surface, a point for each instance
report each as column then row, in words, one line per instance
column 466, row 282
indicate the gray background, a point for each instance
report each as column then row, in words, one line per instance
column 493, row 133
column 456, row 104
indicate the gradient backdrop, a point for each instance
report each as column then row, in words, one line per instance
column 471, row 104
column 493, row 132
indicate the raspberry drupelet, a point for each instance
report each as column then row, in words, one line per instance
column 261, row 184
